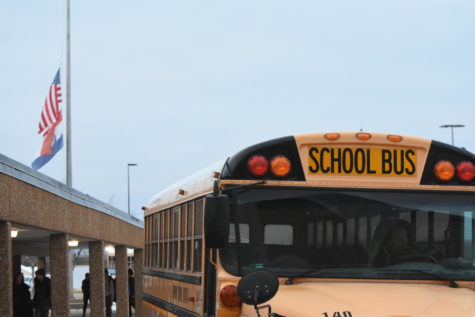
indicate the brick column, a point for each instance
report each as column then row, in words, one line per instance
column 121, row 281
column 97, row 284
column 138, row 266
column 6, row 282
column 59, row 262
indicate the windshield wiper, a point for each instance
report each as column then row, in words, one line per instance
column 290, row 279
column 452, row 283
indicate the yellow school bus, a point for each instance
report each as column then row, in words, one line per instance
column 349, row 224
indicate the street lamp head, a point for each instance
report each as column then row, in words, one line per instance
column 452, row 126
column 132, row 164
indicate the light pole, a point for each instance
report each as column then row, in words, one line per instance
column 128, row 183
column 452, row 126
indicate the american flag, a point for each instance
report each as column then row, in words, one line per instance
column 51, row 115
column 51, row 118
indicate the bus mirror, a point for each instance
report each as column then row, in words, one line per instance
column 257, row 287
column 217, row 217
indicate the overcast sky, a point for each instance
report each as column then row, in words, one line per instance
column 177, row 85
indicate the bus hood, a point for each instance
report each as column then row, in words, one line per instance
column 369, row 300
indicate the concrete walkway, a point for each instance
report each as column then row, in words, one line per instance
column 77, row 312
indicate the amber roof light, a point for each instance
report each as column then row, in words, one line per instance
column 280, row 166
column 444, row 170
column 332, row 136
column 394, row 138
column 363, row 136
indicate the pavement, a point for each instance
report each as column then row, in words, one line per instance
column 76, row 308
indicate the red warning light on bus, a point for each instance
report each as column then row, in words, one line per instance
column 466, row 171
column 258, row 165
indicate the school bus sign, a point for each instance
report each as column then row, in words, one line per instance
column 374, row 161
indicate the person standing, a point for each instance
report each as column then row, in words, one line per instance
column 109, row 291
column 86, row 293
column 21, row 297
column 42, row 297
column 131, row 291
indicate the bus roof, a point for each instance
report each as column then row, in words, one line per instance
column 421, row 156
column 199, row 182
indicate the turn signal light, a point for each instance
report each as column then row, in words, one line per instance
column 229, row 296
column 258, row 165
column 444, row 170
column 466, row 171
column 363, row 136
column 280, row 166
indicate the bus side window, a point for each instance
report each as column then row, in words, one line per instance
column 175, row 226
column 197, row 235
column 166, row 239
column 161, row 236
column 182, row 240
column 189, row 236
column 147, row 241
column 156, row 234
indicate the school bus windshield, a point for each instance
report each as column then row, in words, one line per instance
column 353, row 234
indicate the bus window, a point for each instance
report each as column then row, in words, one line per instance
column 362, row 230
column 422, row 233
column 243, row 231
column 311, row 234
column 468, row 236
column 189, row 233
column 340, row 233
column 197, row 257
column 182, row 245
column 329, row 233
column 174, row 241
column 198, row 219
column 278, row 234
column 320, row 234
column 350, row 227
column 161, row 260
column 166, row 240
column 374, row 222
column 441, row 222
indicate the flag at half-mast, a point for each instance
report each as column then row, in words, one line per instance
column 50, row 124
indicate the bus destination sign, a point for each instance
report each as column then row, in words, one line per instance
column 362, row 161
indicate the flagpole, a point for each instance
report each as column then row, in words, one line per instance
column 69, row 176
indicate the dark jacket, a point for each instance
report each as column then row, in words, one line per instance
column 86, row 290
column 42, row 298
column 21, row 294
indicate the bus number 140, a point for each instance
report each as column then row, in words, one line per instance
column 338, row 314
